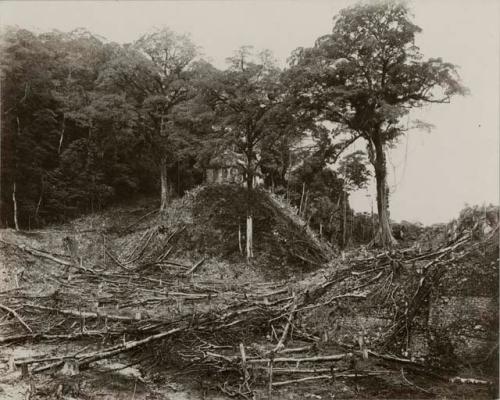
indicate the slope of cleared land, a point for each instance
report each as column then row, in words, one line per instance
column 136, row 304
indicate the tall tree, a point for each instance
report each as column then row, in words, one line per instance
column 246, row 99
column 366, row 75
column 171, row 55
column 155, row 73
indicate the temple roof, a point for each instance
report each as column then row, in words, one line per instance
column 226, row 159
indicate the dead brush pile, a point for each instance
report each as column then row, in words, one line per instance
column 138, row 304
column 436, row 308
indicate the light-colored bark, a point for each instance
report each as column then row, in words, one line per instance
column 249, row 244
column 37, row 210
column 61, row 137
column 249, row 235
column 239, row 239
column 344, row 220
column 164, row 183
column 306, row 204
column 302, row 198
column 14, row 202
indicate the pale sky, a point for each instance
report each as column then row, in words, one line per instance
column 435, row 173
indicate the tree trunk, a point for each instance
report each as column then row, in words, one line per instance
column 61, row 137
column 14, row 202
column 37, row 209
column 302, row 199
column 164, row 183
column 304, row 208
column 344, row 221
column 383, row 238
column 249, row 247
column 249, row 242
column 239, row 239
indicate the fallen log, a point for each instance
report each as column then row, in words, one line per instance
column 199, row 263
column 89, row 358
column 297, row 371
column 470, row 381
column 334, row 357
column 85, row 314
column 39, row 253
column 329, row 377
column 49, row 337
column 252, row 360
column 246, row 375
column 296, row 350
column 281, row 342
column 17, row 316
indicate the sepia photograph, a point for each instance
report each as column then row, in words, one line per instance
column 249, row 199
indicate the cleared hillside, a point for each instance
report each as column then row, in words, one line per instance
column 171, row 296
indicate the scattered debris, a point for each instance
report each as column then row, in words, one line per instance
column 135, row 305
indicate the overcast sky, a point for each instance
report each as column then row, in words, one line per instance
column 432, row 175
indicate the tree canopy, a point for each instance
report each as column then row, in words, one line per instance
column 86, row 122
column 365, row 77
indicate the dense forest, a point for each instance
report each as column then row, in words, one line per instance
column 87, row 123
